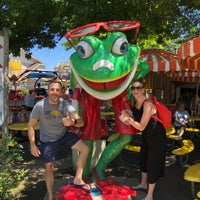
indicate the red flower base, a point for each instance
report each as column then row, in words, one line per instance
column 110, row 190
column 68, row 192
column 113, row 191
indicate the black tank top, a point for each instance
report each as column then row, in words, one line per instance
column 152, row 126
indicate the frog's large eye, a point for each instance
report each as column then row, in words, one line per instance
column 84, row 49
column 120, row 46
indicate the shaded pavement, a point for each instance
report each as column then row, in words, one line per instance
column 171, row 187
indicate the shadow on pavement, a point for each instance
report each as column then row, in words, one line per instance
column 171, row 187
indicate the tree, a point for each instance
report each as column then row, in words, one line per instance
column 44, row 22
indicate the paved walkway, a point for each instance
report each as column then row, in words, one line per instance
column 171, row 187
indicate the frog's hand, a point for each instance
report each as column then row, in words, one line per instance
column 142, row 70
column 76, row 96
column 73, row 81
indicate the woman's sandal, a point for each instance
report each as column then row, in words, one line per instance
column 82, row 187
column 139, row 187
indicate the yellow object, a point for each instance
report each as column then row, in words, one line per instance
column 193, row 173
column 170, row 131
column 132, row 148
column 22, row 127
column 10, row 144
column 187, row 147
column 111, row 138
column 192, row 129
column 198, row 194
column 107, row 113
column 195, row 118
column 174, row 137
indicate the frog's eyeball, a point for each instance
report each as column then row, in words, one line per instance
column 120, row 46
column 84, row 49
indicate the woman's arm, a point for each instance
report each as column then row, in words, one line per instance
column 148, row 110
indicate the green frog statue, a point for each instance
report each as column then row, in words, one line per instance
column 103, row 70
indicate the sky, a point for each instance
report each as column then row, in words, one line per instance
column 52, row 57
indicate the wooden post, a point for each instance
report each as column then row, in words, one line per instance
column 5, row 81
column 197, row 99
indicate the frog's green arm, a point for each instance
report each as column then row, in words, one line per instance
column 73, row 81
column 142, row 70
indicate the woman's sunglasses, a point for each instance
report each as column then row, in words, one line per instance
column 136, row 88
column 111, row 26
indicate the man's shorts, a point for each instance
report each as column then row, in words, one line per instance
column 49, row 149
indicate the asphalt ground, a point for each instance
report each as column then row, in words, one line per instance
column 171, row 187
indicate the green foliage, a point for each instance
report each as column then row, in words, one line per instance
column 11, row 173
column 43, row 22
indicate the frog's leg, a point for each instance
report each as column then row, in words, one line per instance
column 86, row 171
column 111, row 151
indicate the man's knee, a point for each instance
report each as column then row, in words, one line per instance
column 49, row 167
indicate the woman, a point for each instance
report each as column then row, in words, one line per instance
column 153, row 146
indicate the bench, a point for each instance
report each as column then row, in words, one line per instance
column 192, row 131
column 198, row 194
column 183, row 151
column 172, row 138
column 192, row 174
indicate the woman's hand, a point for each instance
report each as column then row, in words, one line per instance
column 126, row 117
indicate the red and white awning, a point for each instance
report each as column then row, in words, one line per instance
column 189, row 55
column 160, row 60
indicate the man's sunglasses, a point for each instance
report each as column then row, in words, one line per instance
column 136, row 88
column 111, row 26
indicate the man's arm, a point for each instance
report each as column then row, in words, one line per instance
column 31, row 135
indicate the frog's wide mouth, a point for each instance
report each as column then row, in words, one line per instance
column 109, row 90
column 106, row 86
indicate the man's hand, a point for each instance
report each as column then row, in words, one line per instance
column 67, row 121
column 35, row 151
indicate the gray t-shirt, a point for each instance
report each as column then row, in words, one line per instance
column 50, row 118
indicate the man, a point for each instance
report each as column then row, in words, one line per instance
column 55, row 115
column 29, row 100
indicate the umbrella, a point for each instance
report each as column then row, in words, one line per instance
column 41, row 75
column 189, row 55
column 160, row 60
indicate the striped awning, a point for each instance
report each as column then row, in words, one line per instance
column 160, row 60
column 189, row 55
